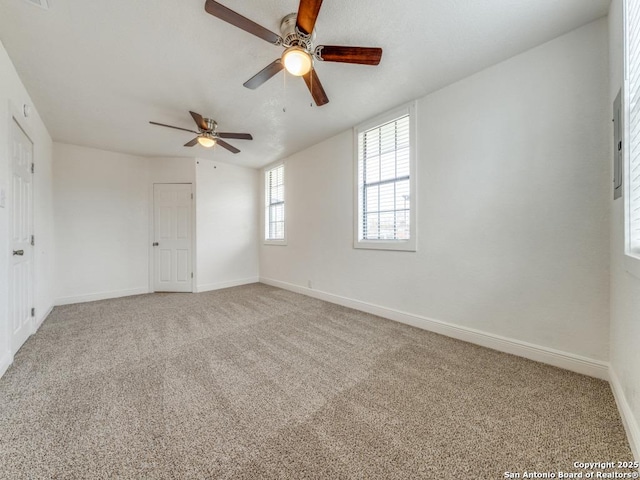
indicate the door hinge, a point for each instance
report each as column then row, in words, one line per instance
column 33, row 312
column 33, row 168
column 33, row 240
column 191, row 274
column 192, row 196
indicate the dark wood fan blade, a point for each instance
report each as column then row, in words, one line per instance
column 231, row 148
column 239, row 136
column 199, row 120
column 171, row 126
column 315, row 87
column 223, row 13
column 191, row 143
column 307, row 15
column 361, row 55
column 263, row 75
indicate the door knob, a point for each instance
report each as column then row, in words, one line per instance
column 18, row 252
column 155, row 244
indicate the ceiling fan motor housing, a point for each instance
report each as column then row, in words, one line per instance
column 211, row 125
column 291, row 36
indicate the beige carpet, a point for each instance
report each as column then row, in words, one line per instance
column 255, row 382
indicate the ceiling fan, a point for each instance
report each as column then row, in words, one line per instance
column 208, row 134
column 298, row 36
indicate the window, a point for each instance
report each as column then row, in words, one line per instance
column 274, row 222
column 632, row 106
column 385, row 156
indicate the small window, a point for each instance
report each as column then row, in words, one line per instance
column 385, row 202
column 274, row 219
column 632, row 107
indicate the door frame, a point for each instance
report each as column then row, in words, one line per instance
column 152, row 234
column 19, row 116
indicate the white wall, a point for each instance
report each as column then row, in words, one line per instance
column 103, row 217
column 227, row 225
column 101, row 206
column 625, row 287
column 513, row 186
column 104, row 224
column 12, row 97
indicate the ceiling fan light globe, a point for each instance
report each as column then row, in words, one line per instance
column 206, row 141
column 297, row 61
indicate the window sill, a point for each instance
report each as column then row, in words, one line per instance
column 282, row 243
column 632, row 265
column 397, row 245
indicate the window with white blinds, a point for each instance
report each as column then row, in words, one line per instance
column 633, row 130
column 385, row 182
column 274, row 202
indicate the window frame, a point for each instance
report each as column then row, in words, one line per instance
column 631, row 258
column 265, row 197
column 409, row 245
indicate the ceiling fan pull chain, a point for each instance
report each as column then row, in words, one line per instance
column 284, row 92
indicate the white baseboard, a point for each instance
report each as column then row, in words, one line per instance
column 557, row 358
column 5, row 362
column 139, row 291
column 100, row 296
column 232, row 283
column 628, row 419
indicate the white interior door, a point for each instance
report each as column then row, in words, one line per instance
column 172, row 205
column 21, row 276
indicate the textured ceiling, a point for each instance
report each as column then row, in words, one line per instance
column 98, row 71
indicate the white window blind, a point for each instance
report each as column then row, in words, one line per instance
column 274, row 201
column 384, row 186
column 633, row 109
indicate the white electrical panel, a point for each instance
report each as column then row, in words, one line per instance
column 617, row 147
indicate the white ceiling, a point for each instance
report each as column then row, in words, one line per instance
column 98, row 71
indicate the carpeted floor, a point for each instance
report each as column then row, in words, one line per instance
column 255, row 382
